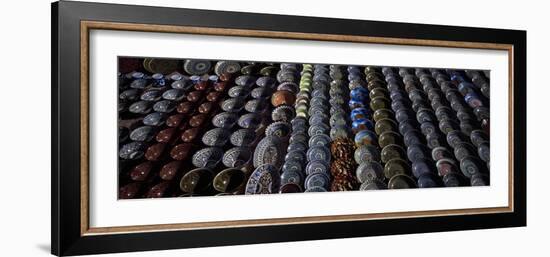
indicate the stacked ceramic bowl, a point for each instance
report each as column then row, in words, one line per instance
column 469, row 107
column 270, row 151
column 476, row 95
column 138, row 94
column 293, row 171
column 370, row 172
column 366, row 154
column 185, row 106
column 481, row 81
column 425, row 121
column 425, row 93
column 397, row 169
column 318, row 153
column 342, row 146
column 445, row 100
column 213, row 136
column 237, row 156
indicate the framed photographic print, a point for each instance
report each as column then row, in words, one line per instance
column 178, row 128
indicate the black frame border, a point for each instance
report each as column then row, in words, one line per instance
column 65, row 167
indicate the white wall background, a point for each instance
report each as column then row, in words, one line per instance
column 25, row 127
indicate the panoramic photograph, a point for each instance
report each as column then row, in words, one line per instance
column 191, row 127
